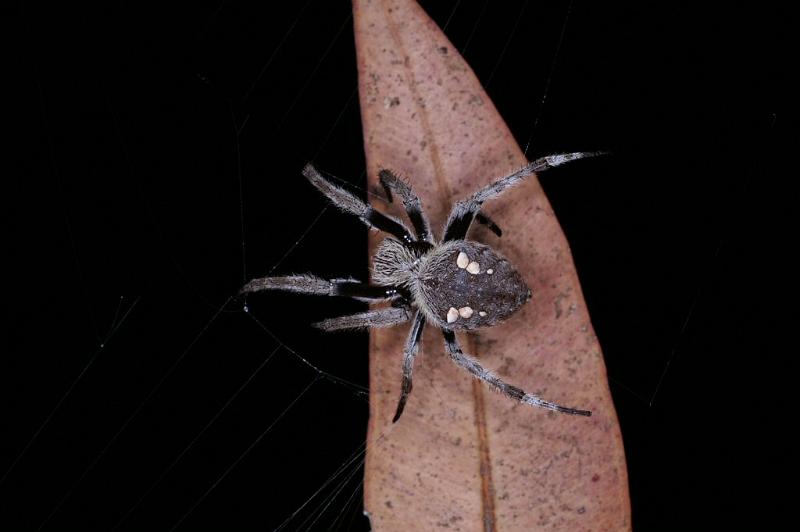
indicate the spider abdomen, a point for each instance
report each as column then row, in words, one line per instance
column 466, row 285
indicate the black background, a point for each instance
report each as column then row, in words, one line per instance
column 130, row 193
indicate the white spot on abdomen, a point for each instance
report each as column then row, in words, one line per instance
column 462, row 260
column 452, row 315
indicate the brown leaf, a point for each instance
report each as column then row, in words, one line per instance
column 463, row 457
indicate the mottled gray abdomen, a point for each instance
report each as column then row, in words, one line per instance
column 470, row 284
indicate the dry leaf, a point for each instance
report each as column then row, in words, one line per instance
column 462, row 457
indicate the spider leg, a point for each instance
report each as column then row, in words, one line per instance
column 465, row 211
column 349, row 203
column 411, row 202
column 409, row 354
column 471, row 365
column 310, row 284
column 413, row 206
column 489, row 223
column 384, row 317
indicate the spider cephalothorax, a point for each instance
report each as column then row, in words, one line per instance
column 454, row 284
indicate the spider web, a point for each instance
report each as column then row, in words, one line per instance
column 211, row 412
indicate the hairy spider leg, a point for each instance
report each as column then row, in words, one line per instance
column 384, row 317
column 411, row 202
column 465, row 211
column 409, row 354
column 351, row 204
column 413, row 206
column 311, row 284
column 472, row 366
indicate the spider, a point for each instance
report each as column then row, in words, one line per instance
column 438, row 282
